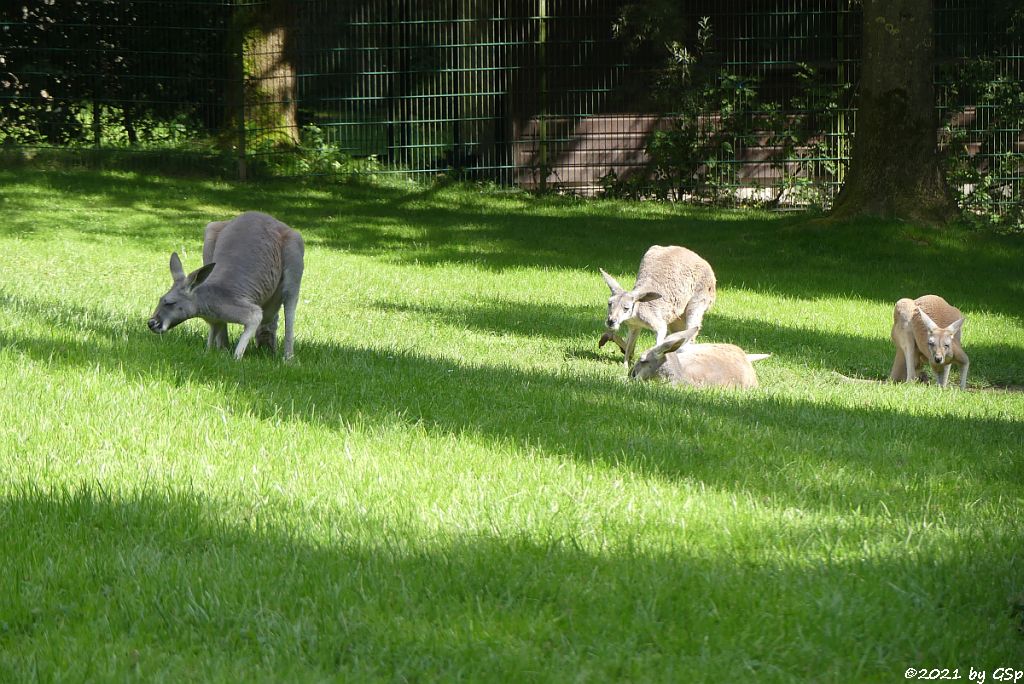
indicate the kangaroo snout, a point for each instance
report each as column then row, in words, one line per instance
column 154, row 324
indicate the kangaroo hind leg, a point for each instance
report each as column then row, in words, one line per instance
column 290, row 283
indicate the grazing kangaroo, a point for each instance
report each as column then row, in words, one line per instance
column 673, row 289
column 697, row 365
column 252, row 267
column 927, row 330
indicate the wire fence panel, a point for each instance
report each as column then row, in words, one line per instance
column 420, row 88
column 144, row 75
column 728, row 101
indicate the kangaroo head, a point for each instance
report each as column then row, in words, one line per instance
column 653, row 359
column 622, row 303
column 940, row 340
column 179, row 304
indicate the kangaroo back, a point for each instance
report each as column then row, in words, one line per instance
column 721, row 365
column 248, row 253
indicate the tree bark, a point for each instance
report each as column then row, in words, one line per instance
column 271, row 100
column 128, row 121
column 894, row 166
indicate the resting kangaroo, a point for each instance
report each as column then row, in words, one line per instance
column 252, row 265
column 697, row 365
column 927, row 329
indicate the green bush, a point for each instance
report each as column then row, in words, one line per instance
column 983, row 174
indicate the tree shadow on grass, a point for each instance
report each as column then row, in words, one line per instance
column 799, row 452
column 882, row 261
column 531, row 320
column 861, row 356
column 160, row 585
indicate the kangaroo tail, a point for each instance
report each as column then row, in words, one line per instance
column 847, row 378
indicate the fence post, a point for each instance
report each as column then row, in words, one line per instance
column 97, row 111
column 240, row 121
column 542, row 123
column 841, row 150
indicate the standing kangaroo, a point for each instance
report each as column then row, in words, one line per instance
column 252, row 266
column 927, row 329
column 674, row 288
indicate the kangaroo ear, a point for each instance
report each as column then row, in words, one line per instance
column 677, row 340
column 612, row 283
column 196, row 278
column 956, row 325
column 647, row 296
column 177, row 272
column 926, row 319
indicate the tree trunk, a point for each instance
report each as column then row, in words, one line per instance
column 128, row 120
column 271, row 106
column 894, row 166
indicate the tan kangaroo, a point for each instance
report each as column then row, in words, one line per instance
column 927, row 329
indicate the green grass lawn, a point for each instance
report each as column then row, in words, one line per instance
column 453, row 482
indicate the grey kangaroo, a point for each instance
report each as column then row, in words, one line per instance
column 252, row 266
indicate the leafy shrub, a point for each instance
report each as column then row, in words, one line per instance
column 984, row 174
column 718, row 113
column 315, row 155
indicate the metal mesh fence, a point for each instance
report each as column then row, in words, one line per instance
column 545, row 94
column 145, row 75
column 980, row 79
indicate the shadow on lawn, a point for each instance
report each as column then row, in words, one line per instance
column 124, row 583
column 807, row 454
column 882, row 261
column 519, row 318
column 862, row 356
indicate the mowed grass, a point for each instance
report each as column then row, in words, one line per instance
column 452, row 482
